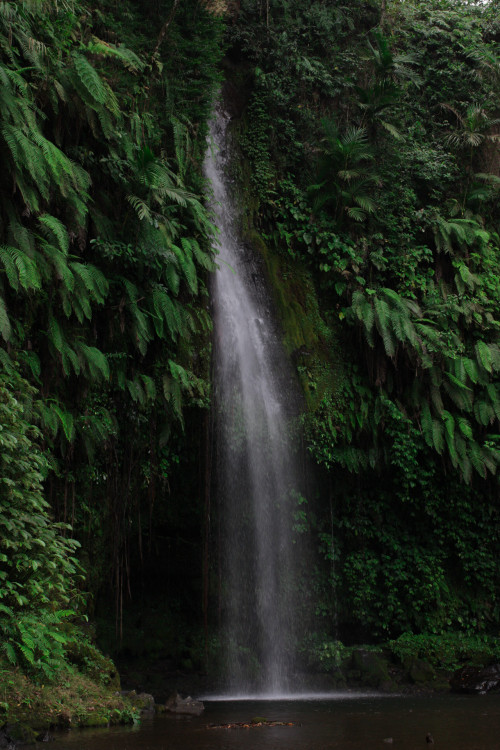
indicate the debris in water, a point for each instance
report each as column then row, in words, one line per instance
column 251, row 724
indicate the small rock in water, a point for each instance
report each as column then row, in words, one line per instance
column 178, row 705
column 389, row 740
column 429, row 738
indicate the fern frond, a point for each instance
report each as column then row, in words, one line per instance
column 55, row 334
column 149, row 387
column 166, row 312
column 187, row 267
column 426, row 424
column 484, row 412
column 66, row 421
column 129, row 59
column 57, row 229
column 89, row 78
column 93, row 280
column 437, row 436
column 142, row 209
column 9, row 652
column 483, row 355
column 476, row 457
column 5, row 326
column 94, row 360
column 19, row 268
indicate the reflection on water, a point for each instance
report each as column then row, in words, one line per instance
column 455, row 722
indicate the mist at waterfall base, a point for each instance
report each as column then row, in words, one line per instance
column 258, row 477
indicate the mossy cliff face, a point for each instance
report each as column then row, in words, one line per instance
column 307, row 338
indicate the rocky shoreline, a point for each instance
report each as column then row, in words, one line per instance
column 365, row 668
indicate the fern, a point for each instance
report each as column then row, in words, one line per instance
column 483, row 355
column 94, row 360
column 465, row 427
column 172, row 394
column 471, row 369
column 476, row 457
column 93, row 280
column 56, row 264
column 187, row 266
column 55, row 334
column 66, row 421
column 126, row 56
column 136, row 391
column 9, row 652
column 149, row 387
column 57, row 229
column 140, row 206
column 437, row 436
column 484, row 412
column 427, row 425
column 458, row 383
column 166, row 312
column 89, row 79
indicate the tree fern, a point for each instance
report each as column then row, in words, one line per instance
column 437, row 436
column 136, row 391
column 5, row 326
column 126, row 56
column 55, row 334
column 494, row 396
column 465, row 427
column 166, row 313
column 203, row 259
column 427, row 425
column 20, row 269
column 484, row 411
column 149, row 387
column 173, row 395
column 476, row 457
column 141, row 207
column 57, row 229
column 89, row 79
column 187, row 266
column 92, row 279
column 484, row 356
column 93, row 359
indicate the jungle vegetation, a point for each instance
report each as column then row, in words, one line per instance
column 369, row 133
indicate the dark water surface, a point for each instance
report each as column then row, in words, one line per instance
column 362, row 723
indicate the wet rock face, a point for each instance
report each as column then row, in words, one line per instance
column 143, row 702
column 13, row 735
column 477, row 680
column 372, row 668
column 178, row 705
column 421, row 672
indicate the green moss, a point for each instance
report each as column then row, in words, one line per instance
column 307, row 338
column 71, row 700
column 90, row 661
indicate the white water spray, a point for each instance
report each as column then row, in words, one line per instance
column 257, row 473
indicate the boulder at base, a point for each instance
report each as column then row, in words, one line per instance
column 477, row 680
column 178, row 705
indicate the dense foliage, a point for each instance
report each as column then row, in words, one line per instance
column 373, row 138
column 37, row 563
column 369, row 134
column 104, row 252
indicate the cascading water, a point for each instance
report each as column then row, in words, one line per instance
column 256, row 399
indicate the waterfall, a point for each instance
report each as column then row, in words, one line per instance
column 256, row 398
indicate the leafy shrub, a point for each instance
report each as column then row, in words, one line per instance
column 446, row 651
column 37, row 563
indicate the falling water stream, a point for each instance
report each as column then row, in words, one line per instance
column 257, row 479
